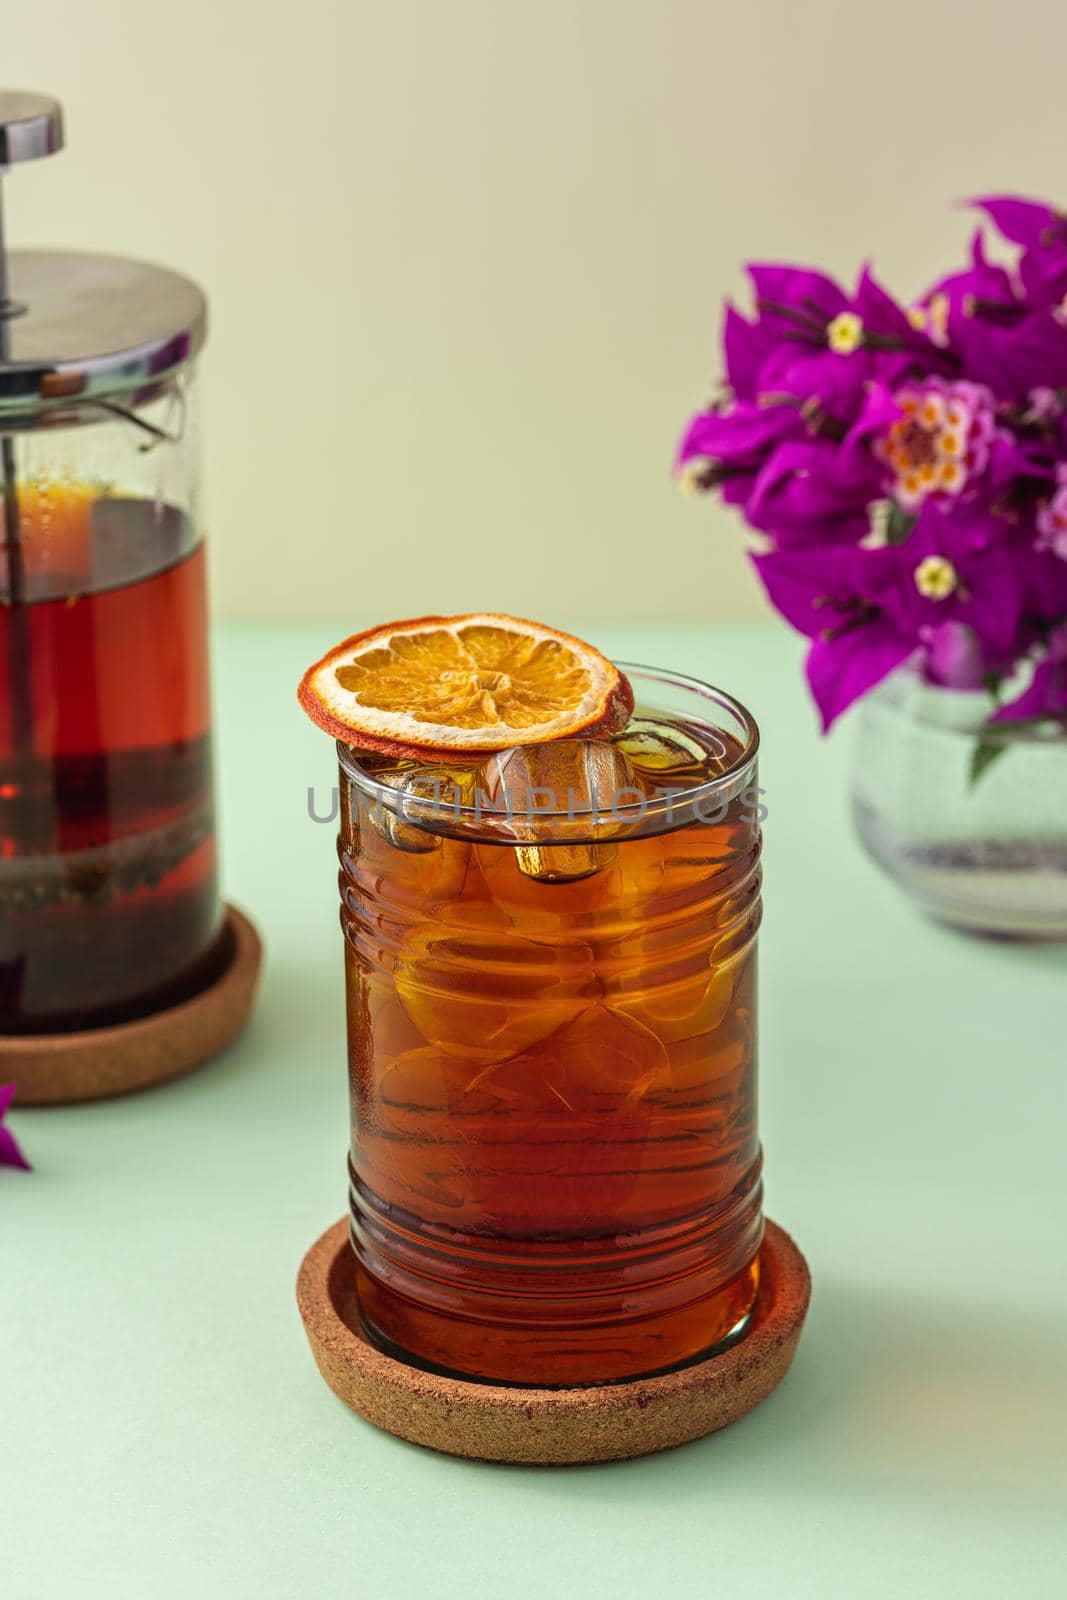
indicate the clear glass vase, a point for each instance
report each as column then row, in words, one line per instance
column 984, row 850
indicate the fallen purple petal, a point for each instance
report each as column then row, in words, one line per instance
column 10, row 1154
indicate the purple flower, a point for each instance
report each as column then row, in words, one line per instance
column 954, row 656
column 1002, row 329
column 834, row 597
column 1043, row 576
column 1015, row 357
column 842, row 670
column 868, row 610
column 830, row 347
column 813, row 491
column 1052, row 518
column 738, row 439
column 745, row 347
column 940, row 442
column 1031, row 223
column 10, row 1154
column 1046, row 694
column 906, row 470
column 951, row 303
column 1042, row 233
column 953, row 570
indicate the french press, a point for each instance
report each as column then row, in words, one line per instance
column 109, row 899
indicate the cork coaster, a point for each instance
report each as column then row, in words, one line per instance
column 60, row 1068
column 550, row 1427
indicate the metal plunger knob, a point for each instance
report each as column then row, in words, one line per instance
column 31, row 125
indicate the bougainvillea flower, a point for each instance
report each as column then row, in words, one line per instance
column 1042, row 232
column 833, row 596
column 1052, row 518
column 940, row 439
column 1046, row 694
column 954, row 656
column 795, row 295
column 741, row 435
column 10, row 1154
column 982, row 283
column 1043, row 576
column 906, row 471
column 745, row 347
column 868, row 610
column 727, row 448
column 883, row 319
column 869, row 339
column 842, row 669
column 1027, row 222
column 813, row 491
column 986, row 593
column 1014, row 358
column 940, row 443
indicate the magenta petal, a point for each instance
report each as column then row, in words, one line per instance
column 744, row 348
column 1012, row 360
column 807, row 489
column 739, row 435
column 798, row 288
column 822, row 589
column 1046, row 694
column 842, row 669
column 10, row 1154
column 811, row 589
column 880, row 410
column 954, row 656
column 1024, row 222
column 879, row 312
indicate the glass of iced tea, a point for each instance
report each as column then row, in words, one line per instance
column 551, row 999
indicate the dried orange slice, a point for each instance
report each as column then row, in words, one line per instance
column 480, row 683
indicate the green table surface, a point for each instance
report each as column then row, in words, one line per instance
column 164, row 1431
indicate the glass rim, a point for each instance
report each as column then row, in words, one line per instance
column 886, row 699
column 479, row 819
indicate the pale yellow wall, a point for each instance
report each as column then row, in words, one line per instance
column 465, row 258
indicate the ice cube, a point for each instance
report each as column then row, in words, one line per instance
column 667, row 750
column 565, row 916
column 568, row 777
column 391, row 859
column 424, row 793
column 563, row 863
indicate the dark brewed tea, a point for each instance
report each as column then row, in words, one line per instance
column 108, row 898
column 552, row 1042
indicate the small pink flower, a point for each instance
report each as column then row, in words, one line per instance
column 1052, row 518
column 1043, row 404
column 940, row 442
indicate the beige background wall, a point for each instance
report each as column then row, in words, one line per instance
column 466, row 258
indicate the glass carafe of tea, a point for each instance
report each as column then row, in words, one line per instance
column 109, row 906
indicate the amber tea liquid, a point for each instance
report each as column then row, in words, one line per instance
column 555, row 1167
column 108, row 898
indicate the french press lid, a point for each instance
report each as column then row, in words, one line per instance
column 77, row 328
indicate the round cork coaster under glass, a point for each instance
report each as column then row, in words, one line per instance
column 62, row 1068
column 550, row 1427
